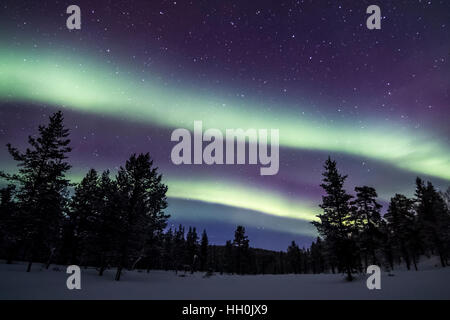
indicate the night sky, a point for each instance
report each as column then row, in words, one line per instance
column 377, row 101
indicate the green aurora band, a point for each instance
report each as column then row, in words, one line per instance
column 233, row 194
column 87, row 85
column 94, row 88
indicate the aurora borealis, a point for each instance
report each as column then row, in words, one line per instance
column 376, row 101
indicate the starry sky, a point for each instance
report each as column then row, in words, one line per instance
column 377, row 101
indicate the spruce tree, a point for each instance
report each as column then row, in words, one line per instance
column 241, row 246
column 445, row 195
column 85, row 207
column 106, row 225
column 179, row 247
column 366, row 219
column 402, row 228
column 42, row 186
column 317, row 256
column 335, row 224
column 168, row 250
column 142, row 200
column 387, row 244
column 433, row 219
column 306, row 260
column 204, row 251
column 191, row 248
column 10, row 226
column 228, row 259
column 294, row 257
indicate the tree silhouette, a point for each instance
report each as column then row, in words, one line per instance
column 401, row 223
column 241, row 245
column 10, row 224
column 433, row 219
column 120, row 221
column 85, row 207
column 191, row 248
column 294, row 257
column 366, row 219
column 335, row 223
column 42, row 192
column 142, row 200
column 179, row 247
column 228, row 259
column 204, row 251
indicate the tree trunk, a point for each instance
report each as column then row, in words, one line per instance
column 31, row 257
column 49, row 261
column 119, row 271
column 441, row 256
column 122, row 263
column 406, row 256
column 29, row 265
column 136, row 262
column 349, row 274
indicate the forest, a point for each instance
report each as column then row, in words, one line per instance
column 120, row 222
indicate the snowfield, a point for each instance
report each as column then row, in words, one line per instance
column 15, row 283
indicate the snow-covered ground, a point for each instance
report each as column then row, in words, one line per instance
column 15, row 283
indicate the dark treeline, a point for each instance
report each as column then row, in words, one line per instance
column 107, row 221
column 356, row 235
column 120, row 221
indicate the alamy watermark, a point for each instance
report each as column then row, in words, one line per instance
column 373, row 22
column 374, row 280
column 218, row 144
column 74, row 280
column 74, row 20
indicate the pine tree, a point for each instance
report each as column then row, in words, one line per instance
column 168, row 250
column 204, row 251
column 335, row 223
column 402, row 225
column 306, row 260
column 42, row 186
column 294, row 257
column 142, row 199
column 366, row 219
column 433, row 219
column 241, row 245
column 228, row 259
column 317, row 256
column 106, row 225
column 179, row 247
column 445, row 195
column 215, row 259
column 10, row 226
column 152, row 253
column 191, row 248
column 446, row 216
column 281, row 260
column 387, row 244
column 85, row 206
